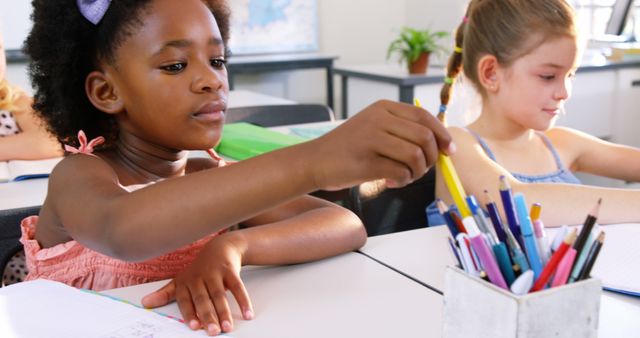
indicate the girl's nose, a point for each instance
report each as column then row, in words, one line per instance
column 563, row 92
column 208, row 79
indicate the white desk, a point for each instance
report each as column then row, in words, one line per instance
column 244, row 98
column 345, row 296
column 23, row 193
column 423, row 254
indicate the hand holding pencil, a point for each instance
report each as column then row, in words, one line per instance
column 387, row 140
column 450, row 176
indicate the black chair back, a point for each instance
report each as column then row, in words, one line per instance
column 385, row 210
column 10, row 232
column 279, row 115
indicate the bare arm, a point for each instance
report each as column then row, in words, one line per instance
column 34, row 142
column 592, row 155
column 389, row 140
column 561, row 203
column 305, row 229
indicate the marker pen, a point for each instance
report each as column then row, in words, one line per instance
column 541, row 237
column 485, row 254
column 523, row 283
column 549, row 269
column 465, row 253
column 528, row 238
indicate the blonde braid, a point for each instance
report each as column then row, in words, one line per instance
column 8, row 95
column 454, row 66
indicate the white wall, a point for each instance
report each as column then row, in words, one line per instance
column 357, row 31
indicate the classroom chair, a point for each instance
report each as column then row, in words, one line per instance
column 384, row 210
column 10, row 233
column 279, row 115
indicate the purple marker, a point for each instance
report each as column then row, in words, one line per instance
column 484, row 253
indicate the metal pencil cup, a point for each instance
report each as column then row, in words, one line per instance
column 476, row 308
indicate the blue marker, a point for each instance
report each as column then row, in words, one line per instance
column 481, row 220
column 517, row 256
column 510, row 209
column 504, row 262
column 528, row 237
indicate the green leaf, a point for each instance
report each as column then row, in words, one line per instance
column 412, row 42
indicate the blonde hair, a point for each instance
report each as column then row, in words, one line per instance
column 506, row 29
column 8, row 95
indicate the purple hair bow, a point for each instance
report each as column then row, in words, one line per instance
column 93, row 10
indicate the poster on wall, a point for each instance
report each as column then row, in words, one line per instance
column 277, row 26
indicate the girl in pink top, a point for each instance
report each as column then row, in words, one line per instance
column 146, row 81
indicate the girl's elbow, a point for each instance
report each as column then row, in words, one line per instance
column 357, row 232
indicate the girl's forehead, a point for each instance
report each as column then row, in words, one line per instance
column 167, row 20
column 560, row 51
column 175, row 11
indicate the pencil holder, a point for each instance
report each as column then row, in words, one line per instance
column 476, row 308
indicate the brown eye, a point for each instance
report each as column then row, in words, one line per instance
column 218, row 63
column 174, row 68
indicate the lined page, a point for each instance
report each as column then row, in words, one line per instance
column 43, row 308
column 618, row 264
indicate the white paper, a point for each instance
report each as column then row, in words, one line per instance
column 618, row 264
column 10, row 170
column 43, row 308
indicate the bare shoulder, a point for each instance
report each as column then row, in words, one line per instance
column 80, row 171
column 465, row 142
column 562, row 133
column 23, row 103
column 568, row 138
column 24, row 98
column 461, row 135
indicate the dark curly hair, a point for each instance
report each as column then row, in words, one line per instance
column 64, row 48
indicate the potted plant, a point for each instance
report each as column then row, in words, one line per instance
column 415, row 46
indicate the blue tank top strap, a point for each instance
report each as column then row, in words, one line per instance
column 483, row 144
column 553, row 150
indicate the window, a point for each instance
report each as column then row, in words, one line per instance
column 593, row 16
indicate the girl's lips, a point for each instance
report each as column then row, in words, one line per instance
column 210, row 116
column 210, row 112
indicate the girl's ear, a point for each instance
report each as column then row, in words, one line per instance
column 102, row 93
column 488, row 73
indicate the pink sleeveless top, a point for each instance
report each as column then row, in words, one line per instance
column 76, row 265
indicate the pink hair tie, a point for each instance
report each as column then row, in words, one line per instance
column 85, row 147
column 465, row 19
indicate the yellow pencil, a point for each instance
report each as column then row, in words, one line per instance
column 450, row 176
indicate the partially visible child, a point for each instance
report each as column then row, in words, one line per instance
column 22, row 135
column 522, row 56
column 146, row 81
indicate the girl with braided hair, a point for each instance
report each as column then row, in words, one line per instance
column 521, row 56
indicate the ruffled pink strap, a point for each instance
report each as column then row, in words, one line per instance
column 85, row 147
column 215, row 156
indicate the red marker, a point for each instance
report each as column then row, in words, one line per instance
column 548, row 270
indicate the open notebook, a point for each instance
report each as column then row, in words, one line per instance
column 22, row 170
column 618, row 264
column 43, row 308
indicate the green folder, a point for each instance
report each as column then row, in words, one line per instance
column 244, row 140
